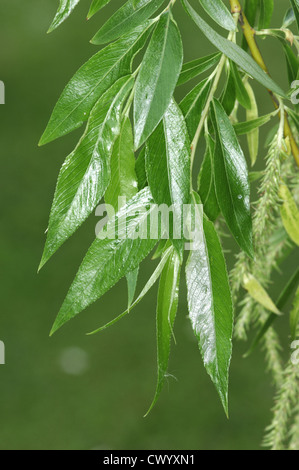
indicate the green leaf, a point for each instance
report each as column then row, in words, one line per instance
column 193, row 105
column 258, row 293
column 168, row 160
column 85, row 174
column 219, row 13
column 229, row 96
column 295, row 5
column 96, row 6
column 289, row 18
column 267, row 7
column 154, row 90
column 210, row 307
column 166, row 312
column 194, row 68
column 125, row 20
column 123, row 177
column 292, row 63
column 253, row 135
column 231, row 179
column 64, row 10
column 91, row 81
column 241, row 92
column 242, row 128
column 234, row 52
column 289, row 214
column 109, row 258
column 294, row 316
column 206, row 184
column 150, row 283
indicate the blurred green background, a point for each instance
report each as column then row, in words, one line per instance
column 73, row 391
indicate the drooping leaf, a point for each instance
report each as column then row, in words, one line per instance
column 110, row 257
column 259, row 294
column 292, row 63
column 267, row 8
column 289, row 214
column 219, row 13
column 168, row 160
column 241, row 92
column 166, row 312
column 96, row 6
column 193, row 105
column 64, row 10
column 206, row 184
column 234, row 52
column 91, row 81
column 251, row 115
column 154, row 90
column 210, row 307
column 294, row 316
column 85, row 174
column 242, row 128
column 229, row 97
column 194, row 68
column 231, row 179
column 125, row 20
column 123, row 181
column 150, row 283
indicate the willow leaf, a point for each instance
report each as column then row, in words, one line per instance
column 289, row 214
column 166, row 312
column 85, row 174
column 154, row 90
column 219, row 13
column 125, row 20
column 210, row 307
column 96, row 6
column 231, row 180
column 91, row 81
column 64, row 10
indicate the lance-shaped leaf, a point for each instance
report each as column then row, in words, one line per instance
column 196, row 67
column 91, row 81
column 140, row 170
column 64, row 10
column 119, row 250
column 193, row 105
column 210, row 307
column 96, row 6
column 123, row 185
column 242, row 128
column 259, row 294
column 229, row 96
column 123, row 177
column 294, row 316
column 251, row 115
column 168, row 159
column 289, row 214
column 231, row 179
column 126, row 19
column 234, row 52
column 167, row 306
column 206, row 184
column 295, row 5
column 85, row 174
column 219, row 13
column 241, row 91
column 157, row 78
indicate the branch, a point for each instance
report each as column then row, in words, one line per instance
column 249, row 34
